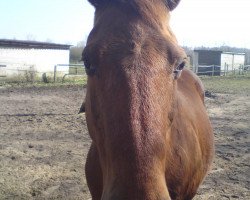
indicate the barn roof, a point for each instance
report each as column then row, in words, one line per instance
column 208, row 50
column 234, row 53
column 32, row 44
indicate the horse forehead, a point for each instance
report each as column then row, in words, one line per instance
column 121, row 34
column 135, row 36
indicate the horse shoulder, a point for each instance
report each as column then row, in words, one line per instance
column 191, row 135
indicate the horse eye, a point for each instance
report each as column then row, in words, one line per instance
column 182, row 65
column 89, row 68
column 86, row 63
column 179, row 68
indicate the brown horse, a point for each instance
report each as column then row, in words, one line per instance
column 152, row 139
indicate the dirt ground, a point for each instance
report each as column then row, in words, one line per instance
column 44, row 144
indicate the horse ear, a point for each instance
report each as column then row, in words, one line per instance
column 172, row 4
column 96, row 3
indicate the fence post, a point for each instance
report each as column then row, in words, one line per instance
column 213, row 71
column 55, row 73
column 225, row 67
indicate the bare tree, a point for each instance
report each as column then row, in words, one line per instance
column 30, row 37
column 76, row 52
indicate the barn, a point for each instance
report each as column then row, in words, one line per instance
column 207, row 62
column 215, row 62
column 19, row 56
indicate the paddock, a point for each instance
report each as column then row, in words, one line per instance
column 44, row 142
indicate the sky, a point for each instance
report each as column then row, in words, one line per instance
column 208, row 23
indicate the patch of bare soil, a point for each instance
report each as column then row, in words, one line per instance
column 44, row 143
column 229, row 177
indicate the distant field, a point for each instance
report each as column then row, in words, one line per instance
column 230, row 85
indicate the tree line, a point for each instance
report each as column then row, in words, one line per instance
column 76, row 51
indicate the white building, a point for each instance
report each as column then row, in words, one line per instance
column 231, row 61
column 17, row 56
column 215, row 62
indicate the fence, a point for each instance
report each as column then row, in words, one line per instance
column 20, row 73
column 73, row 70
column 215, row 70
